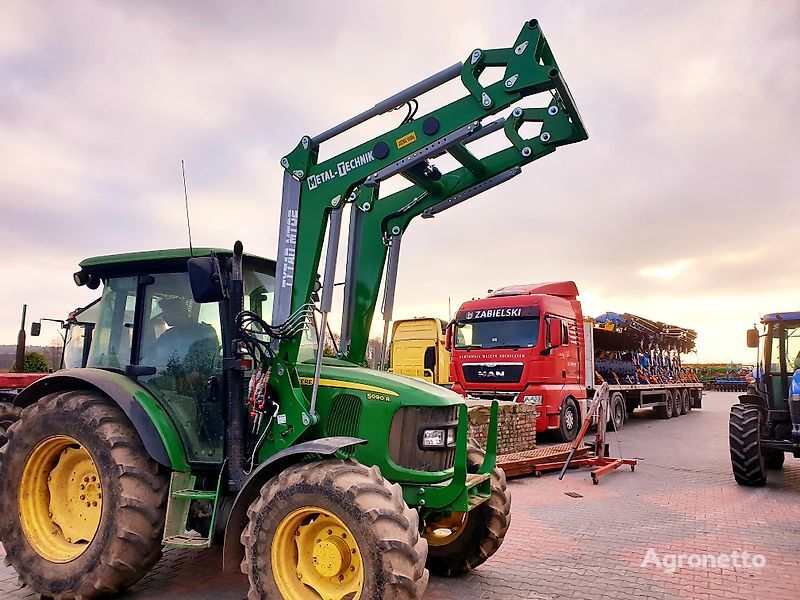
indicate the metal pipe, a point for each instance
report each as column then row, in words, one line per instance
column 389, row 290
column 471, row 192
column 398, row 99
column 334, row 229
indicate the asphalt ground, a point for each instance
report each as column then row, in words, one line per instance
column 678, row 527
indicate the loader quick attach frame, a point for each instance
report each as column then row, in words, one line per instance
column 315, row 194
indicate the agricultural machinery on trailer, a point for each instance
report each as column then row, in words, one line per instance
column 765, row 425
column 197, row 420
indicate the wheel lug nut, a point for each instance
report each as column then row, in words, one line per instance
column 94, row 478
column 83, row 487
column 330, row 531
column 83, row 497
column 94, row 503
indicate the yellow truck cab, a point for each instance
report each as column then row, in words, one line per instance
column 418, row 350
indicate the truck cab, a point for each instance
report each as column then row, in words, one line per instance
column 418, row 350
column 524, row 343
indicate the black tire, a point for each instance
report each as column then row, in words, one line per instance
column 687, row 402
column 617, row 404
column 9, row 414
column 373, row 509
column 569, row 420
column 677, row 403
column 747, row 457
column 127, row 542
column 665, row 411
column 483, row 531
column 773, row 459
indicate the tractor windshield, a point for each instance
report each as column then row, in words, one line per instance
column 784, row 357
column 506, row 333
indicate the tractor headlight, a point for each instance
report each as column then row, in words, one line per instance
column 438, row 438
column 535, row 399
column 433, row 438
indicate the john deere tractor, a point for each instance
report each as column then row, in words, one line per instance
column 206, row 412
column 765, row 425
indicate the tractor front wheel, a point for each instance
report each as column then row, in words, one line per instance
column 463, row 541
column 84, row 505
column 333, row 529
column 747, row 456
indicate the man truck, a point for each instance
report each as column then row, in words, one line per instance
column 531, row 344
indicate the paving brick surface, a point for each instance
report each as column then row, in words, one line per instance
column 681, row 500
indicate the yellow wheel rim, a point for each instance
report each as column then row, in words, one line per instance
column 445, row 531
column 315, row 556
column 60, row 499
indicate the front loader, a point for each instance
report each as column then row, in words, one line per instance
column 206, row 411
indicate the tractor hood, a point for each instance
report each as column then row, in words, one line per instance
column 405, row 390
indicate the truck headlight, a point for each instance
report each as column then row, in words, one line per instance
column 535, row 399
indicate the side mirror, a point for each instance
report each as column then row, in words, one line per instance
column 752, row 338
column 448, row 337
column 206, row 279
column 36, row 328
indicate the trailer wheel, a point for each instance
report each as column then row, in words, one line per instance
column 569, row 420
column 774, row 459
column 618, row 410
column 88, row 503
column 333, row 529
column 665, row 411
column 747, row 456
column 677, row 403
column 463, row 541
column 687, row 402
column 9, row 414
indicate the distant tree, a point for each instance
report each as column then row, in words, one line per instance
column 35, row 362
column 53, row 351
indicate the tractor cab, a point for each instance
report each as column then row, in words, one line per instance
column 780, row 359
column 149, row 327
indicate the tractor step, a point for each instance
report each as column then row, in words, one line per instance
column 195, row 494
column 187, row 542
column 182, row 493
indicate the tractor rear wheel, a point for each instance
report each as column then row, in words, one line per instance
column 774, row 459
column 333, row 529
column 88, row 504
column 747, row 456
column 464, row 541
column 8, row 414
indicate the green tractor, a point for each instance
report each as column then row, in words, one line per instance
column 206, row 413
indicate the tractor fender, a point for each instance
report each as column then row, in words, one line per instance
column 152, row 423
column 752, row 399
column 232, row 550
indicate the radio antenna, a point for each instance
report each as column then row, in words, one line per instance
column 186, row 202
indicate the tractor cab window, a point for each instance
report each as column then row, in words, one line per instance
column 111, row 344
column 785, row 339
column 182, row 341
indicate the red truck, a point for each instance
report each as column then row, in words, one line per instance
column 530, row 343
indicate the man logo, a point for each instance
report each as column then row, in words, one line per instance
column 469, row 315
column 496, row 373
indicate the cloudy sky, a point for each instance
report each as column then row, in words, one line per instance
column 682, row 206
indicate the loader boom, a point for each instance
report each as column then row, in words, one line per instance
column 315, row 193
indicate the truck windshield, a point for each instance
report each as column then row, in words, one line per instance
column 509, row 333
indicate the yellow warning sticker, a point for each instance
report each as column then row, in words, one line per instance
column 406, row 140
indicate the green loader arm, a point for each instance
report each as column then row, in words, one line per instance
column 315, row 193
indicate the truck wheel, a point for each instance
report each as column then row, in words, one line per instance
column 91, row 503
column 569, row 421
column 8, row 414
column 617, row 410
column 463, row 541
column 687, row 402
column 774, row 459
column 677, row 403
column 665, row 411
column 333, row 529
column 747, row 457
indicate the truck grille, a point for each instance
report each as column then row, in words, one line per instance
column 404, row 434
column 492, row 372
